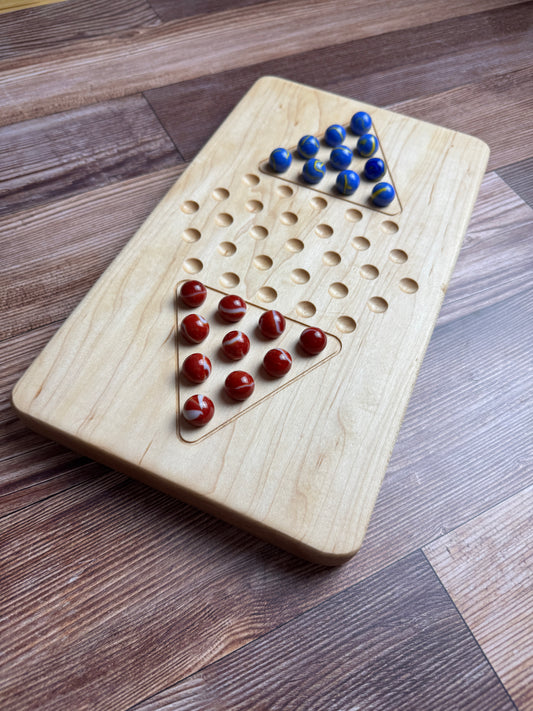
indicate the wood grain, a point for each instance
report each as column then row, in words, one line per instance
column 43, row 280
column 495, row 550
column 96, row 70
column 519, row 176
column 71, row 152
column 12, row 5
column 118, row 402
column 412, row 62
column 169, row 10
column 393, row 642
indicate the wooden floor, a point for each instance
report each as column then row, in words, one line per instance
column 114, row 596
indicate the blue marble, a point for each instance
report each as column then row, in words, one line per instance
column 313, row 171
column 383, row 194
column 340, row 157
column 374, row 169
column 347, row 182
column 280, row 160
column 335, row 135
column 367, row 145
column 308, row 146
column 361, row 123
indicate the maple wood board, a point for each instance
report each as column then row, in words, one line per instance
column 299, row 464
column 12, row 5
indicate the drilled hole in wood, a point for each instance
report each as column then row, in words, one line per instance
column 389, row 227
column 267, row 294
column 345, row 324
column 190, row 206
column 193, row 266
column 300, row 276
column 324, row 231
column 229, row 280
column 259, row 232
column 338, row 290
column 191, row 235
column 369, row 271
column 353, row 215
column 306, row 309
column 408, row 285
column 262, row 262
column 398, row 256
column 254, row 206
column 289, row 218
column 294, row 245
column 360, row 243
column 227, row 249
column 251, row 179
column 318, row 203
column 377, row 304
column 331, row 259
column 224, row 219
column 285, row 191
column 220, row 194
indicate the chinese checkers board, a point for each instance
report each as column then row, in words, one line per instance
column 299, row 457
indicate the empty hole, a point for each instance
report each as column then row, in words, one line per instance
column 224, row 219
column 369, row 271
column 346, row 324
column 193, row 266
column 294, row 245
column 262, row 262
column 353, row 215
column 227, row 249
column 324, row 230
column 285, row 190
column 398, row 256
column 360, row 243
column 267, row 293
column 289, row 218
column 408, row 285
column 389, row 226
column 318, row 203
column 259, row 232
column 300, row 276
column 331, row 258
column 254, row 206
column 189, row 206
column 220, row 194
column 306, row 309
column 191, row 235
column 377, row 304
column 338, row 290
column 251, row 179
column 229, row 280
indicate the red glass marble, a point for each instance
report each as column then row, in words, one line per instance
column 271, row 324
column 194, row 328
column 239, row 385
column 196, row 367
column 235, row 345
column 313, row 340
column 231, row 308
column 277, row 362
column 198, row 410
column 193, row 293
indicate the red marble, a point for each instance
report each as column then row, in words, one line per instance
column 194, row 328
column 271, row 324
column 193, row 293
column 313, row 340
column 277, row 362
column 239, row 385
column 196, row 367
column 235, row 345
column 198, row 410
column 231, row 308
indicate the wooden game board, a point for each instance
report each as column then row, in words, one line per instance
column 301, row 463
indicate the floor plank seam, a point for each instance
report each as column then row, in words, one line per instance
column 180, row 154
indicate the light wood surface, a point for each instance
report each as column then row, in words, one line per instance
column 116, row 596
column 301, row 462
column 12, row 5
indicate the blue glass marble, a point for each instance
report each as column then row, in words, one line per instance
column 280, row 160
column 340, row 157
column 361, row 123
column 347, row 182
column 335, row 135
column 313, row 171
column 308, row 146
column 383, row 194
column 367, row 145
column 374, row 169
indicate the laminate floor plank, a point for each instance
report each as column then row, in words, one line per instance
column 43, row 279
column 519, row 176
column 68, row 153
column 412, row 62
column 42, row 29
column 394, row 641
column 496, row 551
column 169, row 10
column 90, row 71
